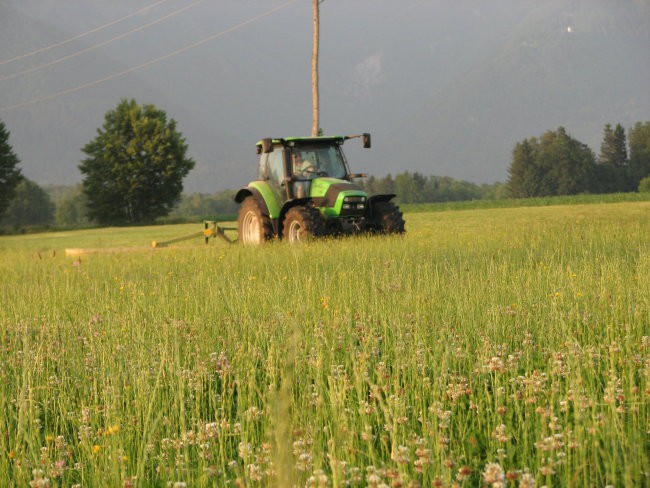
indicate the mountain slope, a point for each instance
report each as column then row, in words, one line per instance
column 579, row 66
column 446, row 88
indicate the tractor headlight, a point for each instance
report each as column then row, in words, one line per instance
column 354, row 203
column 354, row 199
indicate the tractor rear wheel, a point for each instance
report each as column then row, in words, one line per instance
column 387, row 218
column 253, row 224
column 302, row 224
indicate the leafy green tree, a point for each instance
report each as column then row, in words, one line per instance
column 639, row 140
column 556, row 164
column 9, row 171
column 570, row 163
column 31, row 206
column 135, row 166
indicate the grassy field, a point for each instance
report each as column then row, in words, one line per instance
column 497, row 347
column 527, row 202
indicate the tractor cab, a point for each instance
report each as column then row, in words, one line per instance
column 305, row 189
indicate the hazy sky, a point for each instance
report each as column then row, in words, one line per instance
column 446, row 87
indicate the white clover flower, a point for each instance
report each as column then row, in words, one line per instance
column 527, row 481
column 493, row 473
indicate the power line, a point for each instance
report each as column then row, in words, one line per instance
column 101, row 44
column 148, row 63
column 92, row 31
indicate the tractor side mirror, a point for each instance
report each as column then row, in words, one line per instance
column 366, row 140
column 267, row 145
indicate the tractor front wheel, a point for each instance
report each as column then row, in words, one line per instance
column 302, row 224
column 387, row 218
column 253, row 224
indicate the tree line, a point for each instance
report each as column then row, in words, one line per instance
column 134, row 169
column 558, row 164
column 418, row 188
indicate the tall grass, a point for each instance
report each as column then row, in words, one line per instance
column 491, row 346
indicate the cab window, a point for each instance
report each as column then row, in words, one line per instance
column 263, row 169
column 276, row 166
column 324, row 160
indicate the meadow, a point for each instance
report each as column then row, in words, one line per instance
column 486, row 347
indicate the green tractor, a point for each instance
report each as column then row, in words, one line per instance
column 305, row 190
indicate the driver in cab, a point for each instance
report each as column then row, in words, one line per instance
column 301, row 167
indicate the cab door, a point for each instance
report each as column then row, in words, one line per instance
column 276, row 174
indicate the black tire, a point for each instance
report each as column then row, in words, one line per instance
column 302, row 224
column 387, row 218
column 253, row 224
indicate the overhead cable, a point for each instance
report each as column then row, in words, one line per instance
column 80, row 36
column 148, row 63
column 101, row 44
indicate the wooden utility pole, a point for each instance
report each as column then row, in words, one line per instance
column 314, row 71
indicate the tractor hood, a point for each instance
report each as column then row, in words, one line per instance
column 337, row 197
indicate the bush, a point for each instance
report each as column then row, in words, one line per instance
column 644, row 185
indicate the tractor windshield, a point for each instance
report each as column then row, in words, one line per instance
column 311, row 161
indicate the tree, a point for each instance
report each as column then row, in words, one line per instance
column 524, row 177
column 9, row 171
column 71, row 208
column 611, row 172
column 644, row 185
column 613, row 149
column 570, row 163
column 494, row 191
column 135, row 166
column 385, row 185
column 201, row 205
column 639, row 140
column 410, row 187
column 556, row 164
column 30, row 206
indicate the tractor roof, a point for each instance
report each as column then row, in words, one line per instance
column 307, row 140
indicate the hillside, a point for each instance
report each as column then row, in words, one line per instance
column 445, row 89
column 542, row 77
